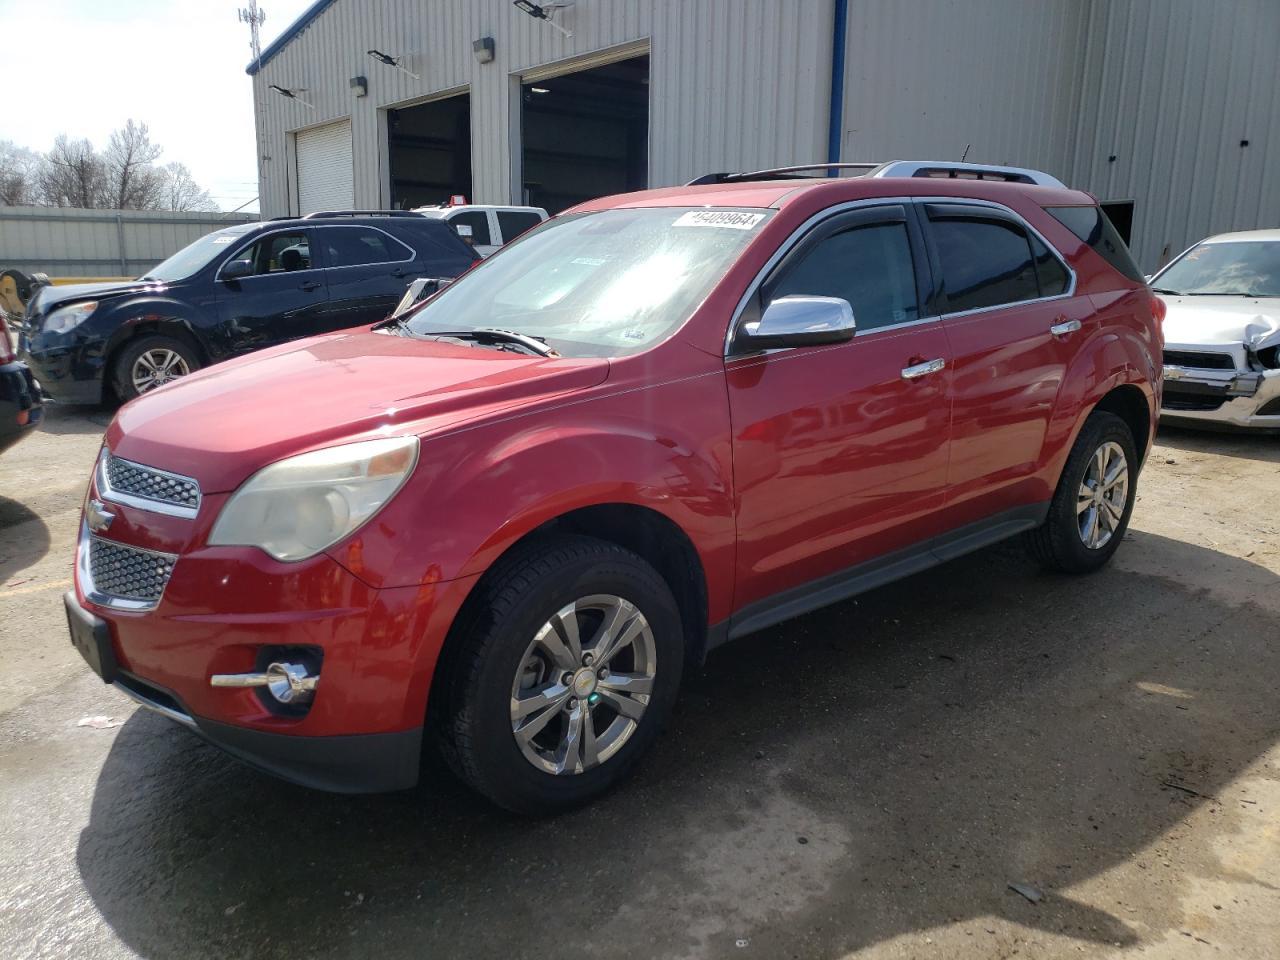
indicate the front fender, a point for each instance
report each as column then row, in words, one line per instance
column 478, row 490
column 152, row 314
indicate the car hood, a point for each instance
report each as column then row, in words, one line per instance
column 50, row 298
column 1207, row 321
column 222, row 424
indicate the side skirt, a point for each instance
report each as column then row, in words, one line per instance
column 876, row 573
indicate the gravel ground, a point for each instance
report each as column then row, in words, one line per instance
column 865, row 781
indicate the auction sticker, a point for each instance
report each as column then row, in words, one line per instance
column 719, row 218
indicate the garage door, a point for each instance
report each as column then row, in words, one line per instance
column 325, row 179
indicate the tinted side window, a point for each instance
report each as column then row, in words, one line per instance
column 869, row 266
column 280, row 253
column 353, row 246
column 1092, row 226
column 985, row 263
column 1054, row 278
column 512, row 223
column 478, row 221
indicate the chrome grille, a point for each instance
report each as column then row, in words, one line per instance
column 1204, row 359
column 124, row 478
column 128, row 573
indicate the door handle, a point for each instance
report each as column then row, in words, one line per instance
column 309, row 285
column 399, row 272
column 1065, row 327
column 923, row 369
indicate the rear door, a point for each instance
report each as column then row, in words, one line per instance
column 840, row 451
column 283, row 299
column 512, row 223
column 367, row 271
column 1013, row 325
column 478, row 230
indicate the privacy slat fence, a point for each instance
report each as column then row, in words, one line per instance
column 68, row 242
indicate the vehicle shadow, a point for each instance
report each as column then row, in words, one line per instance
column 75, row 419
column 879, row 768
column 18, row 552
column 1264, row 447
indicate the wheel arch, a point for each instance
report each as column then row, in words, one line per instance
column 166, row 323
column 647, row 532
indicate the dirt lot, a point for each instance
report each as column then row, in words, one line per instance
column 866, row 781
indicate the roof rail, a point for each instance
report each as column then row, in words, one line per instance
column 358, row 213
column 955, row 170
column 942, row 169
column 778, row 173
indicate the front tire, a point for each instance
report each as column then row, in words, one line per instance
column 151, row 361
column 1090, row 510
column 568, row 666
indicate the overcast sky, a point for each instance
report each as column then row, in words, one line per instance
column 84, row 67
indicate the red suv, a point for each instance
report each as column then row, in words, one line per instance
column 510, row 516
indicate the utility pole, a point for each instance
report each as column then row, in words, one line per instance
column 255, row 18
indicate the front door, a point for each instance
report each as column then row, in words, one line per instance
column 283, row 299
column 840, row 452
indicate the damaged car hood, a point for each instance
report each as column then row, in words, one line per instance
column 1207, row 320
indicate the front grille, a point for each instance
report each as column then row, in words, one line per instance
column 128, row 573
column 1191, row 401
column 1204, row 360
column 148, row 483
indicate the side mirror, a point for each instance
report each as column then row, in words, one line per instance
column 799, row 321
column 235, row 269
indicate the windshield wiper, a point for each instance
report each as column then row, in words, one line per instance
column 483, row 334
column 1172, row 293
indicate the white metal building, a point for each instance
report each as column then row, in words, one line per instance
column 1170, row 109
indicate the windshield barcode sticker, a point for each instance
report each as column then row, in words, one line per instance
column 719, row 218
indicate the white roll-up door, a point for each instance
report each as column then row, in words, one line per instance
column 325, row 173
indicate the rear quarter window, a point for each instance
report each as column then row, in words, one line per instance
column 1093, row 227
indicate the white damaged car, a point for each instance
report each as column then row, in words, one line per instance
column 1222, row 332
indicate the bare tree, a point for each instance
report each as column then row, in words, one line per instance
column 179, row 190
column 18, row 168
column 72, row 175
column 133, row 183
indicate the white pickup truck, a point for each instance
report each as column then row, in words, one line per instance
column 484, row 226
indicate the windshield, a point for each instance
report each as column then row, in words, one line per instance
column 600, row 284
column 1248, row 268
column 194, row 257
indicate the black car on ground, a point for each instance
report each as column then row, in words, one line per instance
column 20, row 407
column 238, row 289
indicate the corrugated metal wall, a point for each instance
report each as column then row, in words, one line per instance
column 68, row 242
column 733, row 82
column 924, row 79
column 1169, row 90
column 1167, row 87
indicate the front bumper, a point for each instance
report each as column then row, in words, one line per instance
column 1231, row 399
column 363, row 763
column 227, row 609
column 69, row 366
column 20, row 408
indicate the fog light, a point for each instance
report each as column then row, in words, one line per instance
column 288, row 682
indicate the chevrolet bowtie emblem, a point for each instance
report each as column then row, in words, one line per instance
column 96, row 515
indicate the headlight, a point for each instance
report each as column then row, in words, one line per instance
column 70, row 317
column 297, row 507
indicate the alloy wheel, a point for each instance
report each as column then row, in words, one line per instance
column 1103, row 495
column 157, row 367
column 583, row 684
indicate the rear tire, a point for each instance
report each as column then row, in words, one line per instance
column 150, row 361
column 1086, row 524
column 528, row 718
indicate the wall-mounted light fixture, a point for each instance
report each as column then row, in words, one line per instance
column 360, row 86
column 390, row 61
column 292, row 94
column 483, row 49
column 543, row 11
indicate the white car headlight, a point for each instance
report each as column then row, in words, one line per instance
column 68, row 318
column 295, row 508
